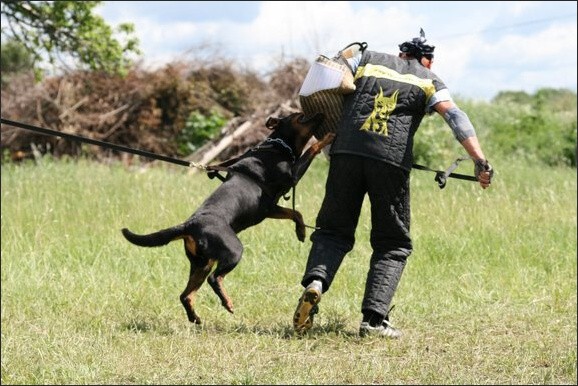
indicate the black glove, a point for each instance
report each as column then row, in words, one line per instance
column 482, row 165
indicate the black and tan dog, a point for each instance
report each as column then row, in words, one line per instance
column 254, row 183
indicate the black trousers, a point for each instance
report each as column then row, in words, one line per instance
column 349, row 179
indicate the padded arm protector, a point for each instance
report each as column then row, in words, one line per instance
column 459, row 123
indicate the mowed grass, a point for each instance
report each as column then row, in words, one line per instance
column 488, row 296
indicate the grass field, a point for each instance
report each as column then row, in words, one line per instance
column 488, row 296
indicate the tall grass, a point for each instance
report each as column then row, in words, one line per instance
column 488, row 296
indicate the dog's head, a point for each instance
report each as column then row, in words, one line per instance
column 295, row 129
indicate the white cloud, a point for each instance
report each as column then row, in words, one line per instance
column 521, row 7
column 481, row 47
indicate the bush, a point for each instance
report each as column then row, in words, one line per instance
column 543, row 128
column 198, row 130
column 531, row 128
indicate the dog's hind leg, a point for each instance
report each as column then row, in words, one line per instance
column 229, row 255
column 216, row 283
column 200, row 269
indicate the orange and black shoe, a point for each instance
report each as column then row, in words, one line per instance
column 306, row 309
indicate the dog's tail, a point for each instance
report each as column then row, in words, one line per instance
column 156, row 239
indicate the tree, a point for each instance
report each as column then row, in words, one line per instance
column 54, row 30
column 15, row 59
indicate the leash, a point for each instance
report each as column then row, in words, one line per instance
column 212, row 170
column 441, row 177
column 109, row 145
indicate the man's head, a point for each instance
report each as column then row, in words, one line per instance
column 416, row 48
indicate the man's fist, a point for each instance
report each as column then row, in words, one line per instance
column 483, row 172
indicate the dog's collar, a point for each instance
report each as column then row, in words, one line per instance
column 282, row 143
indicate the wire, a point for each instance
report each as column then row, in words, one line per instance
column 453, row 36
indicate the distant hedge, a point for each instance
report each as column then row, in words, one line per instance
column 539, row 127
column 172, row 110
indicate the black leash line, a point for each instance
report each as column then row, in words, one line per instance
column 213, row 171
column 440, row 178
column 97, row 142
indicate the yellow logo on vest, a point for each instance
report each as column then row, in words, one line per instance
column 383, row 107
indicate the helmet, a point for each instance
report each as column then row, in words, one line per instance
column 417, row 47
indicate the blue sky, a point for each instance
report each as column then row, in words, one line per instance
column 482, row 48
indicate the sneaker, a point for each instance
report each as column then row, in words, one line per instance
column 385, row 330
column 306, row 309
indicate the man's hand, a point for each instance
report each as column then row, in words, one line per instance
column 483, row 172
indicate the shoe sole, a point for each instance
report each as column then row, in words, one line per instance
column 306, row 309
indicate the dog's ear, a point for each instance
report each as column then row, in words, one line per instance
column 272, row 123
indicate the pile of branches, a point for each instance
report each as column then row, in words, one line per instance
column 145, row 110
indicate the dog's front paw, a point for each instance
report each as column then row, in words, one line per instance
column 299, row 225
column 300, row 232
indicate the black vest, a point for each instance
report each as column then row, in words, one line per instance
column 381, row 117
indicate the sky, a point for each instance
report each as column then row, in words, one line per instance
column 482, row 47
